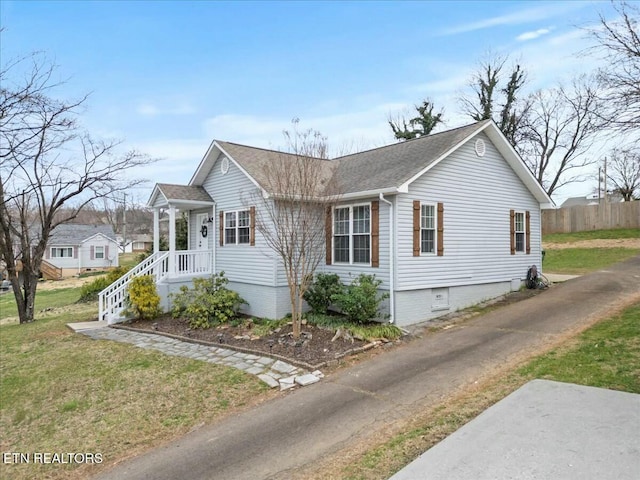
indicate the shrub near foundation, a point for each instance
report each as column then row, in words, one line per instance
column 208, row 303
column 360, row 300
column 144, row 301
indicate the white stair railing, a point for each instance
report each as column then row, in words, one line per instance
column 111, row 300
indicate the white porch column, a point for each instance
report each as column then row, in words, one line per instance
column 156, row 230
column 172, row 240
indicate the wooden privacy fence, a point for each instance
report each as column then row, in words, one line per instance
column 591, row 217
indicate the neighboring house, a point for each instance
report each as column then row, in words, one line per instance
column 445, row 221
column 591, row 200
column 136, row 243
column 76, row 248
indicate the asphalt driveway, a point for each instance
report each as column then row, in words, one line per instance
column 290, row 432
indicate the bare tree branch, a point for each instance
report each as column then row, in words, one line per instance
column 299, row 187
column 49, row 170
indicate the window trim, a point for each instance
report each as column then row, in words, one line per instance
column 434, row 228
column 95, row 252
column 351, row 234
column 236, row 228
column 61, row 248
column 523, row 231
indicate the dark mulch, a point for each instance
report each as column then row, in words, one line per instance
column 314, row 348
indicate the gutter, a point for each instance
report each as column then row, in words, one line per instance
column 392, row 285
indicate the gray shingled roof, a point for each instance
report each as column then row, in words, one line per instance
column 393, row 165
column 184, row 192
column 75, row 234
column 384, row 167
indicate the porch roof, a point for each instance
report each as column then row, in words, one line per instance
column 167, row 194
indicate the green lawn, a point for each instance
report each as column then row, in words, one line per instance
column 44, row 299
column 591, row 235
column 606, row 355
column 63, row 392
column 578, row 261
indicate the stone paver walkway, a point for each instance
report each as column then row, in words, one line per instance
column 274, row 373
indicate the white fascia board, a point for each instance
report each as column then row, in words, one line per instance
column 154, row 194
column 203, row 165
column 181, row 201
column 519, row 167
column 405, row 186
column 94, row 236
column 370, row 193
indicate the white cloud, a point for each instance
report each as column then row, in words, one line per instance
column 528, row 15
column 533, row 34
column 152, row 110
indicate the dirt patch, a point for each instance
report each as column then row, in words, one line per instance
column 597, row 243
column 65, row 283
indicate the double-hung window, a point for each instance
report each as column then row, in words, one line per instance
column 237, row 227
column 352, row 234
column 99, row 252
column 427, row 228
column 520, row 232
column 62, row 252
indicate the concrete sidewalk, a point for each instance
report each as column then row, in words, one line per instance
column 542, row 430
column 279, row 438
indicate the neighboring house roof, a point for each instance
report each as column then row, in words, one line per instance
column 576, row 201
column 389, row 169
column 75, row 234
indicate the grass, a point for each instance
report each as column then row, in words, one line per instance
column 606, row 355
column 577, row 261
column 63, row 392
column 45, row 299
column 591, row 235
column 128, row 259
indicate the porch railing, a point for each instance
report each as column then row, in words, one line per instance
column 111, row 301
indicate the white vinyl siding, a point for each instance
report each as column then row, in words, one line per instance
column 234, row 192
column 478, row 194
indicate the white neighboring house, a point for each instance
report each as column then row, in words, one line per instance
column 136, row 243
column 77, row 248
column 445, row 221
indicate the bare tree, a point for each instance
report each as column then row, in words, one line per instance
column 492, row 98
column 619, row 40
column 299, row 187
column 49, row 170
column 623, row 170
column 560, row 127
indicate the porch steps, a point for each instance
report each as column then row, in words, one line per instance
column 50, row 271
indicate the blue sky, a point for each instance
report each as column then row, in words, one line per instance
column 169, row 77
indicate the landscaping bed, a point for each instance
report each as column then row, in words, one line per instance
column 316, row 346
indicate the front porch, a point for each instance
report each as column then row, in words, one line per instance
column 170, row 266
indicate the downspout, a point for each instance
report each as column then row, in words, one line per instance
column 216, row 241
column 392, row 283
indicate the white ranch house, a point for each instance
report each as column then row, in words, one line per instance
column 76, row 248
column 445, row 221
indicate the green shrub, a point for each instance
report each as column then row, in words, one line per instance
column 90, row 290
column 208, row 303
column 319, row 293
column 360, row 300
column 143, row 300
